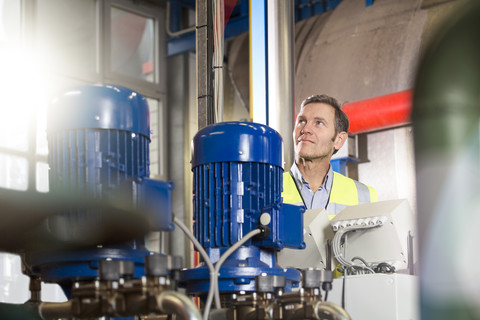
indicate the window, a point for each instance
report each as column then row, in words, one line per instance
column 71, row 42
column 22, row 82
column 14, row 172
column 157, row 143
column 10, row 22
column 132, row 44
column 47, row 46
column 134, row 41
column 66, row 31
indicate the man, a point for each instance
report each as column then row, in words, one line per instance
column 320, row 131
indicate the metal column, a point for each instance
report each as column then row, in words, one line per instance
column 272, row 68
column 204, row 44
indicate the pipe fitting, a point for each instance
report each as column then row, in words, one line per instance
column 173, row 302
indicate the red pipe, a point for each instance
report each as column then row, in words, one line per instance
column 378, row 113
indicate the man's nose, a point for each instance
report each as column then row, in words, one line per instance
column 305, row 128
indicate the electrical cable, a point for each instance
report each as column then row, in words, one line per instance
column 336, row 246
column 384, row 267
column 361, row 259
column 344, row 286
column 328, row 262
column 208, row 262
column 224, row 257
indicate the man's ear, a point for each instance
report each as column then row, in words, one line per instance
column 340, row 140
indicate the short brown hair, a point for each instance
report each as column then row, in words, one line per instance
column 341, row 119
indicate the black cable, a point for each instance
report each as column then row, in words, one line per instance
column 345, row 271
column 298, row 189
column 384, row 267
column 362, row 260
column 328, row 262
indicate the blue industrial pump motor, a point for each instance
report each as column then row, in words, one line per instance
column 237, row 177
column 98, row 138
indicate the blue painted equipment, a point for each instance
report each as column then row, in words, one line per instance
column 237, row 172
column 98, row 147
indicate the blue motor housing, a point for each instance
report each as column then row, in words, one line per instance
column 98, row 139
column 237, row 176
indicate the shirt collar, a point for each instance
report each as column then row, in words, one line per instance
column 300, row 181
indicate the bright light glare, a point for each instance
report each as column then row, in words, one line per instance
column 22, row 96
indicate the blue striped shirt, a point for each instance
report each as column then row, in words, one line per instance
column 313, row 199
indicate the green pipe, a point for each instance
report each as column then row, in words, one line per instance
column 445, row 118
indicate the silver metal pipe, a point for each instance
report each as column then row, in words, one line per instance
column 69, row 309
column 204, row 53
column 218, row 55
column 55, row 310
column 334, row 311
column 281, row 102
column 173, row 302
column 176, row 33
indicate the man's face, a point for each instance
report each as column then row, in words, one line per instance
column 314, row 134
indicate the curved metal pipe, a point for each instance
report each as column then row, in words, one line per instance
column 55, row 310
column 179, row 304
column 445, row 119
column 175, row 34
column 333, row 310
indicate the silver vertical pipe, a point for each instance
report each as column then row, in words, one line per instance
column 218, row 54
column 281, row 73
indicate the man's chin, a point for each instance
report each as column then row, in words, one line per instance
column 306, row 153
column 306, row 157
column 311, row 157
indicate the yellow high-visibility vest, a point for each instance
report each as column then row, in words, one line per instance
column 345, row 192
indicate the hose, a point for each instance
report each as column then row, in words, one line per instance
column 226, row 254
column 208, row 262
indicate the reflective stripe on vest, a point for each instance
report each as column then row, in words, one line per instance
column 345, row 192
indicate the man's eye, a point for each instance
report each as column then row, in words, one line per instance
column 320, row 123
